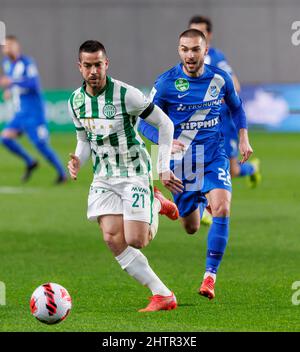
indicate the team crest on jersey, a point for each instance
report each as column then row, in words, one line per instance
column 109, row 111
column 214, row 91
column 182, row 84
column 78, row 100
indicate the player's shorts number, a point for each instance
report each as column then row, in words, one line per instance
column 139, row 200
column 224, row 176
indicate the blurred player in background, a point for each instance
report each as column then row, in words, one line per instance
column 121, row 197
column 215, row 57
column 192, row 93
column 21, row 84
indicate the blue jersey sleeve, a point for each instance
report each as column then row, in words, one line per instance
column 157, row 96
column 217, row 58
column 223, row 64
column 234, row 103
column 30, row 77
column 149, row 131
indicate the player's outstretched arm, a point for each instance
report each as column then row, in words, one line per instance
column 151, row 133
column 165, row 128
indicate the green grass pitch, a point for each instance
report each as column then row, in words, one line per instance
column 44, row 236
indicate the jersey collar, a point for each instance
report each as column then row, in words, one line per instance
column 108, row 83
column 180, row 69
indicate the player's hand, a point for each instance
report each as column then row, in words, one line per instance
column 171, row 182
column 5, row 81
column 73, row 166
column 244, row 145
column 245, row 150
column 177, row 147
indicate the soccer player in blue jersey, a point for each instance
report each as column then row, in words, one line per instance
column 21, row 84
column 215, row 57
column 191, row 94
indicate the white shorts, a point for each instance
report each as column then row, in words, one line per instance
column 130, row 196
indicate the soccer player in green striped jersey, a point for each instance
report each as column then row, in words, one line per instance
column 121, row 198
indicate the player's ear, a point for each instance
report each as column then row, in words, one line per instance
column 79, row 65
column 106, row 63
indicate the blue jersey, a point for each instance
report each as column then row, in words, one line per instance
column 25, row 88
column 194, row 105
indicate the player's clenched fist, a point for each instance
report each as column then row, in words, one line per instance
column 73, row 166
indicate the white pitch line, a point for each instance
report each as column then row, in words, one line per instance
column 17, row 190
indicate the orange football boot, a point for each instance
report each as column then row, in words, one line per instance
column 207, row 288
column 158, row 302
column 168, row 207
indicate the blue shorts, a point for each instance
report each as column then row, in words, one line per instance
column 216, row 175
column 36, row 129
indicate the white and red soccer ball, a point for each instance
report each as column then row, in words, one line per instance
column 50, row 303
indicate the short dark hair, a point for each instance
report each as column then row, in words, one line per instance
column 12, row 37
column 198, row 19
column 91, row 46
column 192, row 33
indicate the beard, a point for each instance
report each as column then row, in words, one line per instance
column 193, row 66
column 93, row 83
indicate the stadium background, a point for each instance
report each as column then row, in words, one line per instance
column 44, row 234
column 141, row 35
column 141, row 40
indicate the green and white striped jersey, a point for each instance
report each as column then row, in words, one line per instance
column 110, row 124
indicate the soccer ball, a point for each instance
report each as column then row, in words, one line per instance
column 50, row 303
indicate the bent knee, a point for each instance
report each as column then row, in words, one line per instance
column 138, row 242
column 191, row 228
column 115, row 242
column 221, row 210
column 110, row 238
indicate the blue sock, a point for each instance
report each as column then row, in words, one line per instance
column 17, row 149
column 216, row 243
column 49, row 154
column 247, row 169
